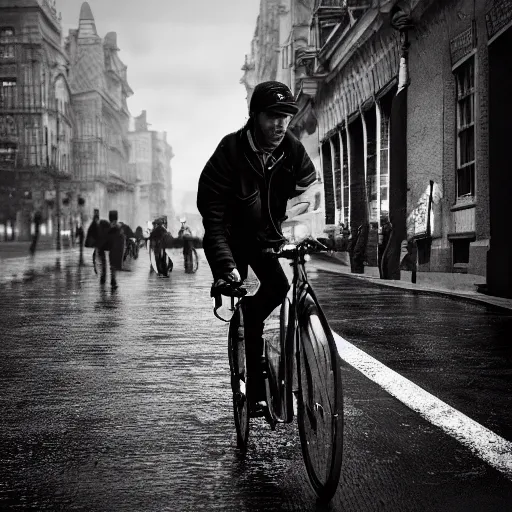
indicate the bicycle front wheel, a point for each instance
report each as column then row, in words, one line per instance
column 94, row 253
column 238, row 367
column 320, row 400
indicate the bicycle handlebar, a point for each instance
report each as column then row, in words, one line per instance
column 236, row 289
column 306, row 246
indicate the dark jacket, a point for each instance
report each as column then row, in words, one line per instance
column 243, row 202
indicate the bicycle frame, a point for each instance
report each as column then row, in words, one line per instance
column 292, row 305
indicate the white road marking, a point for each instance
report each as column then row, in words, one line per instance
column 484, row 443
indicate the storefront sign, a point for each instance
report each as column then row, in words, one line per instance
column 498, row 16
column 462, row 45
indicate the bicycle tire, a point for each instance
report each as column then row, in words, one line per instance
column 238, row 369
column 195, row 259
column 320, row 400
column 191, row 261
column 94, row 262
column 161, row 262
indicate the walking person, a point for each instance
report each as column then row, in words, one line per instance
column 35, row 237
column 110, row 239
column 242, row 197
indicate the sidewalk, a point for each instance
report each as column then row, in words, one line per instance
column 16, row 264
column 450, row 284
column 16, row 249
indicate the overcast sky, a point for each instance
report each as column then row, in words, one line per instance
column 184, row 60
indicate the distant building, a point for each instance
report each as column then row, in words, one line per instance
column 99, row 88
column 150, row 162
column 35, row 118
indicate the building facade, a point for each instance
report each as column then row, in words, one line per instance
column 150, row 161
column 36, row 121
column 277, row 35
column 345, row 59
column 99, row 92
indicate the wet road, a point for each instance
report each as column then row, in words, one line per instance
column 121, row 400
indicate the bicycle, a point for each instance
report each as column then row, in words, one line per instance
column 305, row 364
column 160, row 261
column 190, row 256
column 131, row 250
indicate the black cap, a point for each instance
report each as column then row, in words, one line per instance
column 112, row 216
column 274, row 97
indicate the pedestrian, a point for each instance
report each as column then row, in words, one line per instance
column 110, row 239
column 157, row 239
column 91, row 240
column 35, row 237
column 139, row 235
column 242, row 197
column 384, row 237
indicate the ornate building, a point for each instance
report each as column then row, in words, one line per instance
column 35, row 118
column 99, row 87
column 150, row 162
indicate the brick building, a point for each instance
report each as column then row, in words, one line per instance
column 459, row 109
column 344, row 59
column 36, row 121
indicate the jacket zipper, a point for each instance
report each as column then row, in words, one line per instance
column 268, row 186
column 268, row 197
column 255, row 170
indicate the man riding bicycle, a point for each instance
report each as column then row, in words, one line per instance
column 242, row 196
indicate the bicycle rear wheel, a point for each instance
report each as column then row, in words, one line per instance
column 238, row 367
column 320, row 400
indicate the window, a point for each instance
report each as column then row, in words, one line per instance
column 461, row 252
column 465, row 80
column 7, row 126
column 7, row 153
column 6, row 46
column 7, row 92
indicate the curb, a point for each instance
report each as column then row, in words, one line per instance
column 486, row 299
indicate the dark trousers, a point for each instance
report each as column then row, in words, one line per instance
column 274, row 286
column 103, row 259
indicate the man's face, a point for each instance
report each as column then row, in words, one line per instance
column 272, row 128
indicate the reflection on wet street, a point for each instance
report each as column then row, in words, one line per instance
column 120, row 400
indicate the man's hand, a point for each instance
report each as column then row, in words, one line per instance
column 234, row 276
column 229, row 285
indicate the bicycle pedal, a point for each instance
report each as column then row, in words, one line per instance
column 258, row 410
